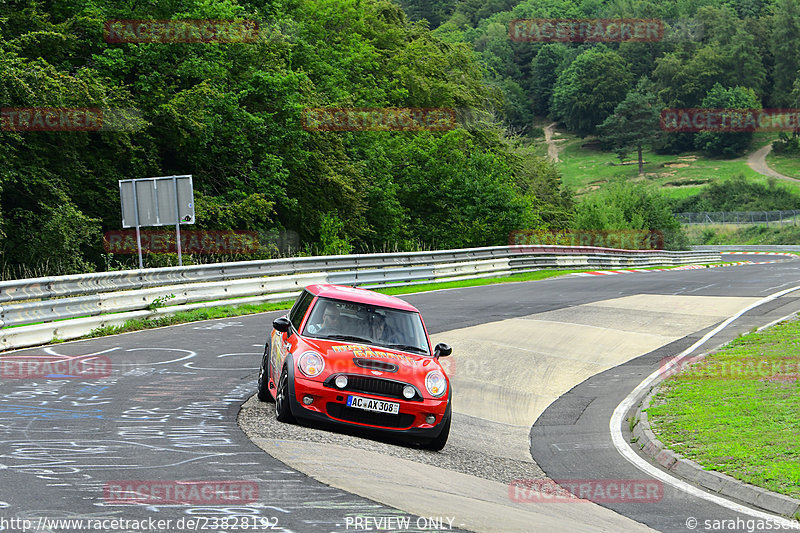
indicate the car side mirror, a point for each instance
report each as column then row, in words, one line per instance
column 442, row 350
column 281, row 324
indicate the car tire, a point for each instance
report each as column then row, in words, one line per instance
column 263, row 377
column 437, row 443
column 283, row 411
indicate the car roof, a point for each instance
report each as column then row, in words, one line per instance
column 363, row 296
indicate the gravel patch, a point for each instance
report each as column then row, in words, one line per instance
column 475, row 446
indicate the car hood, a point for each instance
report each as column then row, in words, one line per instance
column 349, row 357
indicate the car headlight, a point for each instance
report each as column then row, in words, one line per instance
column 311, row 364
column 436, row 383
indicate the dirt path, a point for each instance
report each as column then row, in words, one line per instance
column 552, row 148
column 758, row 162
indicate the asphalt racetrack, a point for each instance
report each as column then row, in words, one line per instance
column 537, row 371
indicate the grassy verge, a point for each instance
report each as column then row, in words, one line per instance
column 788, row 165
column 526, row 276
column 775, row 234
column 736, row 411
column 194, row 315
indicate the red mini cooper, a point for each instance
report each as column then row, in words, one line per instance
column 355, row 357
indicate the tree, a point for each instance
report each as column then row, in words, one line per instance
column 635, row 122
column 549, row 62
column 727, row 144
column 785, row 50
column 230, row 114
column 516, row 105
column 590, row 88
column 729, row 55
column 434, row 11
column 458, row 194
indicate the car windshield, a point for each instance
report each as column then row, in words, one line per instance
column 367, row 324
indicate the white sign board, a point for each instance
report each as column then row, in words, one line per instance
column 161, row 201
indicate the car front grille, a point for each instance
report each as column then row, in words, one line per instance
column 342, row 412
column 382, row 387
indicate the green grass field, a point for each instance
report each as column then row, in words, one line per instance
column 788, row 165
column 735, row 412
column 586, row 169
column 775, row 234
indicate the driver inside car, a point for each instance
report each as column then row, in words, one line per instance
column 330, row 324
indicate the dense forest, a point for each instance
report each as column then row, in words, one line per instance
column 231, row 114
column 747, row 47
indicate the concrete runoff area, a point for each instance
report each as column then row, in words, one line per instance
column 510, row 371
column 504, row 375
column 473, row 503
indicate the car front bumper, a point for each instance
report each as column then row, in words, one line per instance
column 330, row 406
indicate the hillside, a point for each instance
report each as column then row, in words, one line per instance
column 231, row 112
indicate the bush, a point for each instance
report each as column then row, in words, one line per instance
column 727, row 144
column 787, row 145
column 333, row 239
column 739, row 194
column 627, row 206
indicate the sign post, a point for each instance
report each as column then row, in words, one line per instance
column 138, row 234
column 161, row 201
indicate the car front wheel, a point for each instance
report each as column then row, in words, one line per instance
column 283, row 412
column 263, row 378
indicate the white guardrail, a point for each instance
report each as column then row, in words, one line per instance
column 36, row 311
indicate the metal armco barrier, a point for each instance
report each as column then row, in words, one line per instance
column 68, row 307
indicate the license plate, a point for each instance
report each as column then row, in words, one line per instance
column 368, row 404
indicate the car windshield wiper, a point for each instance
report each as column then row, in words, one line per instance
column 352, row 338
column 408, row 348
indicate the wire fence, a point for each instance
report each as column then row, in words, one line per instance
column 741, row 217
